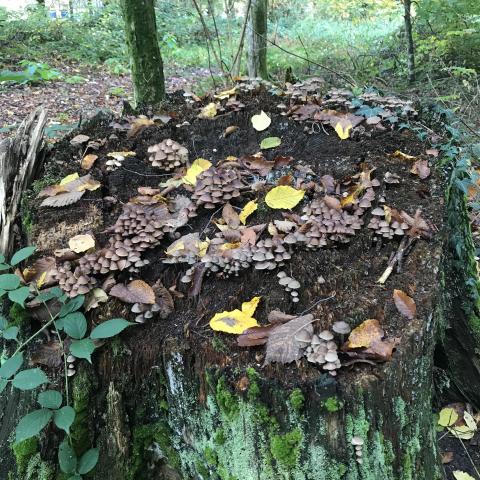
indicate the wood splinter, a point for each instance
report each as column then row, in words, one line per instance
column 397, row 259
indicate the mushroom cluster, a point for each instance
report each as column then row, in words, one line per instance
column 162, row 306
column 229, row 262
column 324, row 351
column 289, row 284
column 357, row 443
column 71, row 365
column 114, row 163
column 234, row 104
column 73, row 280
column 386, row 227
column 269, row 253
column 168, row 155
column 216, row 186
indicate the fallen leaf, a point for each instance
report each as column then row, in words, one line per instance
column 459, row 475
column 88, row 161
column 261, row 121
column 81, row 243
column 209, row 111
column 226, row 94
column 229, row 130
column 343, row 131
column 164, row 299
column 254, row 336
column 69, row 178
column 230, row 216
column 332, row 202
column 236, row 321
column 421, row 168
column 464, row 432
column 95, row 298
column 138, row 125
column 270, row 142
column 42, row 272
column 285, row 180
column 79, row 139
column 197, row 167
column 137, row 291
column 284, row 197
column 282, row 161
column 418, row 226
column 282, row 345
column 148, row 191
column 247, row 210
column 403, row 156
column 434, row 152
column 447, row 417
column 230, row 246
column 405, row 304
column 257, row 163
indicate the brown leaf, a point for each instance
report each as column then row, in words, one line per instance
column 138, row 125
column 277, row 316
column 418, row 226
column 281, row 161
column 285, row 180
column 248, row 236
column 332, row 118
column 88, row 161
column 52, row 190
column 229, row 130
column 328, row 183
column 148, row 191
column 137, row 291
column 41, row 272
column 282, row 345
column 62, row 200
column 405, row 304
column 434, row 152
column 257, row 163
column 421, row 168
column 48, row 354
column 230, row 216
column 254, row 336
column 71, row 192
column 332, row 202
column 447, row 457
column 164, row 299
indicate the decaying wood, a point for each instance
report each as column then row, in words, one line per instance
column 20, row 158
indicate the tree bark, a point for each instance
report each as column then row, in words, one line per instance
column 257, row 39
column 20, row 159
column 409, row 35
column 146, row 60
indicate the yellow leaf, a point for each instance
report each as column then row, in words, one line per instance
column 222, row 227
column 81, row 243
column 230, row 246
column 447, row 417
column 343, row 132
column 175, row 247
column 261, row 121
column 403, row 156
column 203, row 247
column 236, row 321
column 90, row 185
column 284, row 197
column 470, row 421
column 41, row 280
column 462, row 431
column 247, row 210
column 68, row 179
column 459, row 475
column 208, row 111
column 88, row 161
column 197, row 167
column 226, row 93
column 121, row 154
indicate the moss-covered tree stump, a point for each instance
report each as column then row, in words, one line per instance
column 171, row 399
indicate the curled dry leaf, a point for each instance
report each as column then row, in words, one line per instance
column 88, row 161
column 164, row 299
column 79, row 139
column 247, row 210
column 282, row 345
column 95, row 298
column 230, row 216
column 257, row 163
column 81, row 243
column 138, row 125
column 405, row 304
column 421, row 168
column 137, row 291
column 229, row 130
column 209, row 111
column 41, row 272
column 282, row 161
column 401, row 155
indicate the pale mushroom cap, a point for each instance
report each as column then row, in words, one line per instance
column 341, row 327
column 331, row 357
column 357, row 441
column 326, row 335
column 303, row 336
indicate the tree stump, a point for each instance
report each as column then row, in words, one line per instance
column 173, row 400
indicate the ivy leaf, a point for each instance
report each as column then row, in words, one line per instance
column 88, row 461
column 32, row 424
column 82, row 348
column 21, row 255
column 29, row 379
column 284, row 197
column 64, row 418
column 66, row 457
column 110, row 328
column 50, row 399
column 19, row 295
column 11, row 366
column 10, row 333
column 75, row 325
column 9, row 281
column 72, row 305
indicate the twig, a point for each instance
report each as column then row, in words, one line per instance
column 317, row 302
column 469, row 457
column 146, row 174
column 397, row 258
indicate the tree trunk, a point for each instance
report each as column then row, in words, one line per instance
column 409, row 35
column 257, row 39
column 146, row 60
column 20, row 159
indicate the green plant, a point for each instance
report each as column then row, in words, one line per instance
column 69, row 324
column 33, row 72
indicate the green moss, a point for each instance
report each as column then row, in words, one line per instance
column 38, row 469
column 202, row 470
column 81, row 391
column 227, row 401
column 285, row 448
column 332, row 404
column 296, row 399
column 143, row 438
column 18, row 316
column 23, row 452
column 219, row 345
column 219, row 437
column 210, row 456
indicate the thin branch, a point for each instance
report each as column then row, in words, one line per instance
column 238, row 55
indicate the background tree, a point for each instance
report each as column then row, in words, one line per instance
column 407, row 4
column 146, row 60
column 257, row 39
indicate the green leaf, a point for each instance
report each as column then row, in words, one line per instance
column 32, row 423
column 2, row 258
column 64, row 418
column 75, row 325
column 19, row 295
column 66, row 457
column 3, row 384
column 59, row 324
column 9, row 281
column 82, row 348
column 4, row 266
column 270, row 142
column 10, row 333
column 72, row 305
column 29, row 379
column 88, row 461
column 50, row 399
column 75, row 477
column 110, row 328
column 2, row 293
column 11, row 366
column 21, row 255
column 3, row 322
